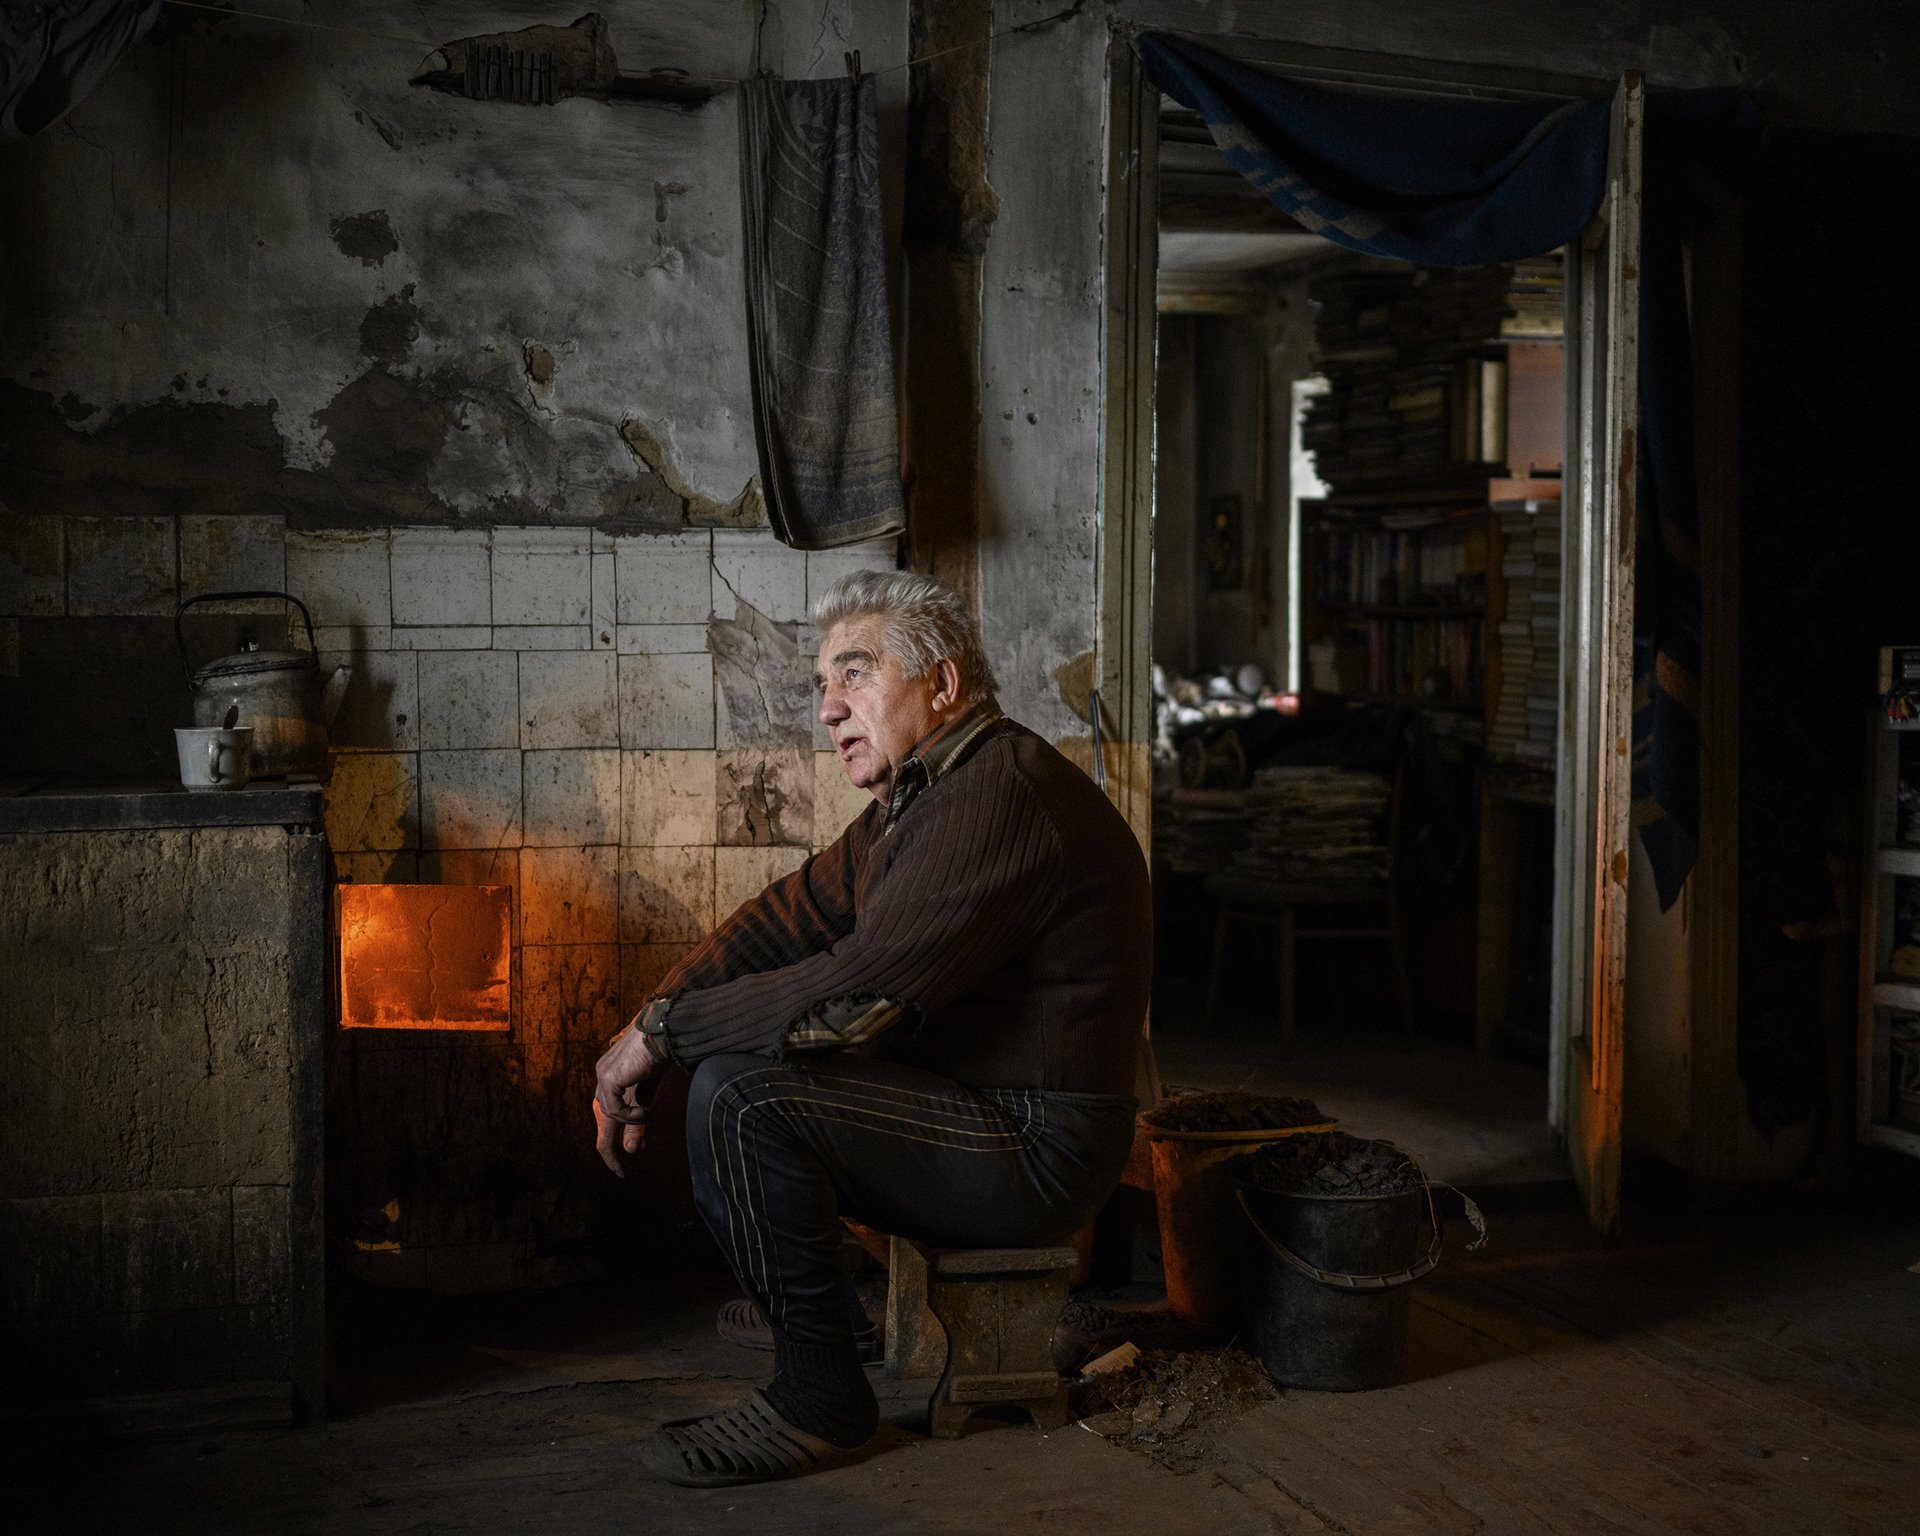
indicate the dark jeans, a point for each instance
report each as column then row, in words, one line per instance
column 780, row 1151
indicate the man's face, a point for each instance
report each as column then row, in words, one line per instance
column 873, row 710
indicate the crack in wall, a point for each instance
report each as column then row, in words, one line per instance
column 697, row 509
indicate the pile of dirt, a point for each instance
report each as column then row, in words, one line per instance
column 1089, row 1327
column 1331, row 1163
column 1232, row 1112
column 1155, row 1405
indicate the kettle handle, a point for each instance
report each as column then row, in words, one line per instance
column 180, row 634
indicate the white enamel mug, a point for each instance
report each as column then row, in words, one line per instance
column 213, row 756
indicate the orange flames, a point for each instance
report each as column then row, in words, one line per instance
column 426, row 956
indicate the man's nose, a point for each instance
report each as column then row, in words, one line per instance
column 832, row 706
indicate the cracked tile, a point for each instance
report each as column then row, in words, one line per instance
column 764, row 683
column 372, row 802
column 764, row 799
column 470, row 799
column 753, row 568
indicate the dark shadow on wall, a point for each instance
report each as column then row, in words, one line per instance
column 1829, row 551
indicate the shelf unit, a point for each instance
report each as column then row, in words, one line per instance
column 1396, row 588
column 1883, row 1118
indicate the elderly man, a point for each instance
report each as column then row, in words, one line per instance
column 931, row 1027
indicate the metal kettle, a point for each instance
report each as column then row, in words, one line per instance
column 283, row 695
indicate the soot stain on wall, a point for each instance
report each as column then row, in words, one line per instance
column 390, row 328
column 368, row 236
column 389, row 433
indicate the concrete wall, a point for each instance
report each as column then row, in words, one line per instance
column 148, row 1147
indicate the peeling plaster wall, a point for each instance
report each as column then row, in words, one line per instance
column 260, row 256
column 470, row 379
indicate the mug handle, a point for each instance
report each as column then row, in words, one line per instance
column 213, row 760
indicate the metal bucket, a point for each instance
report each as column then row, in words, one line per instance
column 1193, row 1188
column 1329, row 1283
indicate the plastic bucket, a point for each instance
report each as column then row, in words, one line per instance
column 1199, row 1238
column 1329, row 1282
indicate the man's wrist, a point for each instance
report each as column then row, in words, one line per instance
column 650, row 1023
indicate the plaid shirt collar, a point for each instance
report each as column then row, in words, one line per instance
column 935, row 754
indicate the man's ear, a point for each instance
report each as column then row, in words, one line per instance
column 946, row 684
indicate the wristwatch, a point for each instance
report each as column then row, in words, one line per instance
column 651, row 1021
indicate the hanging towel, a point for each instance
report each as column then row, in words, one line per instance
column 820, row 349
column 1478, row 183
column 54, row 54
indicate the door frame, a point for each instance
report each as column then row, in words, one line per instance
column 1123, row 595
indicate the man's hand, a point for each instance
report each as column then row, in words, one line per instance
column 626, row 1078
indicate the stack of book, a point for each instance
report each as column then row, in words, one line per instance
column 1526, row 714
column 1319, row 825
column 1206, row 828
column 1409, row 658
column 1407, row 395
column 1412, row 555
column 1537, row 294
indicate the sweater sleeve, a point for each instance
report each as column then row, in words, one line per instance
column 796, row 916
column 973, row 869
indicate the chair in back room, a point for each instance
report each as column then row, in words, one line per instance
column 1354, row 909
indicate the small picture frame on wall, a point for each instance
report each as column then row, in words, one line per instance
column 1226, row 567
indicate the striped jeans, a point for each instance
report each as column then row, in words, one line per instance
column 781, row 1150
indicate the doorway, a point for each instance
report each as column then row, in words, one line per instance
column 1288, row 630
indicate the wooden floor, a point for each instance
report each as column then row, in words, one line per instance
column 1728, row 1375
column 1755, row 1373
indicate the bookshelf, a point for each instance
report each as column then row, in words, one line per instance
column 1431, row 569
column 1888, row 1075
column 1396, row 598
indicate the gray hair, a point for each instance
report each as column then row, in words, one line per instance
column 922, row 622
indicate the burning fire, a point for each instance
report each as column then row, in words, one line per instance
column 426, row 956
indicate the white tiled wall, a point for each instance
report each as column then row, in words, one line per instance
column 533, row 707
column 537, row 707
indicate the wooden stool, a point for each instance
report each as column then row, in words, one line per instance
column 997, row 1307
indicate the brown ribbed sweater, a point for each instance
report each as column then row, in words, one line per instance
column 1007, row 913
